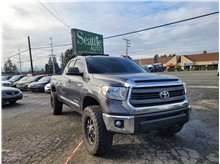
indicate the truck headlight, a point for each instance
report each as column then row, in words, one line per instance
column 115, row 93
column 185, row 89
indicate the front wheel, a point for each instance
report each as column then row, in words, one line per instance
column 56, row 105
column 96, row 138
column 12, row 102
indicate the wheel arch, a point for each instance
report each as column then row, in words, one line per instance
column 53, row 88
column 89, row 100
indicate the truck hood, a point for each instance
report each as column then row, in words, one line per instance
column 122, row 78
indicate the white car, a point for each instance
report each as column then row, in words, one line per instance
column 47, row 88
column 7, row 83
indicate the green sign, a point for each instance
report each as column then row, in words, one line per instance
column 86, row 42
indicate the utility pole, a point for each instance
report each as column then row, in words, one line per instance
column 20, row 61
column 52, row 55
column 127, row 45
column 29, row 45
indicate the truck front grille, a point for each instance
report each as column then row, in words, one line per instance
column 150, row 96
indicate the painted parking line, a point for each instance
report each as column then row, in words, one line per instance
column 71, row 156
column 206, row 87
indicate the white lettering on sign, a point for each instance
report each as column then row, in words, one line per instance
column 93, row 41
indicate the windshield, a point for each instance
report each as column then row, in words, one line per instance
column 5, row 78
column 33, row 78
column 24, row 78
column 101, row 65
column 15, row 77
column 45, row 79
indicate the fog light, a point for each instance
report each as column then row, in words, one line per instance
column 119, row 123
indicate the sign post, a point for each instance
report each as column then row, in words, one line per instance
column 84, row 42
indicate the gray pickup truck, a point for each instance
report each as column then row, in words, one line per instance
column 116, row 95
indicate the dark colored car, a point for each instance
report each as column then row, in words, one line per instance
column 39, row 85
column 23, row 85
column 11, row 95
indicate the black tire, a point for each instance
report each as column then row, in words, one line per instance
column 96, row 138
column 56, row 105
column 171, row 130
column 12, row 102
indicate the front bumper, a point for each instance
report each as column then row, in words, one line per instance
column 12, row 98
column 146, row 122
column 22, row 88
column 38, row 88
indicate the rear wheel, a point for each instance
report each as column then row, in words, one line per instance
column 96, row 138
column 56, row 105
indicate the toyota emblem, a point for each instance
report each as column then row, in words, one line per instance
column 164, row 95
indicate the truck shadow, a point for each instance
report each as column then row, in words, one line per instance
column 146, row 146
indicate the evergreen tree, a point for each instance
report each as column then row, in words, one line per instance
column 57, row 68
column 9, row 67
column 49, row 66
column 65, row 58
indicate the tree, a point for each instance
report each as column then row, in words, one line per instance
column 9, row 67
column 171, row 55
column 49, row 66
column 163, row 55
column 65, row 58
column 57, row 68
column 204, row 51
column 156, row 56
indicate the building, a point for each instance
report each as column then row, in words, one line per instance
column 206, row 61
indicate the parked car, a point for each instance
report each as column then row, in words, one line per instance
column 11, row 95
column 25, row 78
column 5, row 77
column 40, row 84
column 47, row 88
column 23, row 85
column 6, row 83
column 15, row 78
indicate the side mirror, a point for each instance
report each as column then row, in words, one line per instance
column 73, row 71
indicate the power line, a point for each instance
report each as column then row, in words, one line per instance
column 163, row 25
column 54, row 15
column 62, row 45
column 150, row 28
column 118, row 26
column 15, row 54
column 54, row 10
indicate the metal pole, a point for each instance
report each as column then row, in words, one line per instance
column 29, row 45
column 20, row 61
column 52, row 55
column 127, row 45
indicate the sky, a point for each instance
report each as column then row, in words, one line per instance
column 21, row 19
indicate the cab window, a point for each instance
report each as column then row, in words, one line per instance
column 79, row 65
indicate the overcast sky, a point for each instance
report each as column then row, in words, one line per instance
column 22, row 19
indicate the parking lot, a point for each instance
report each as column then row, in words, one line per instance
column 31, row 134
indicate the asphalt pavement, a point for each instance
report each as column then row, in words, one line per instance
column 31, row 134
